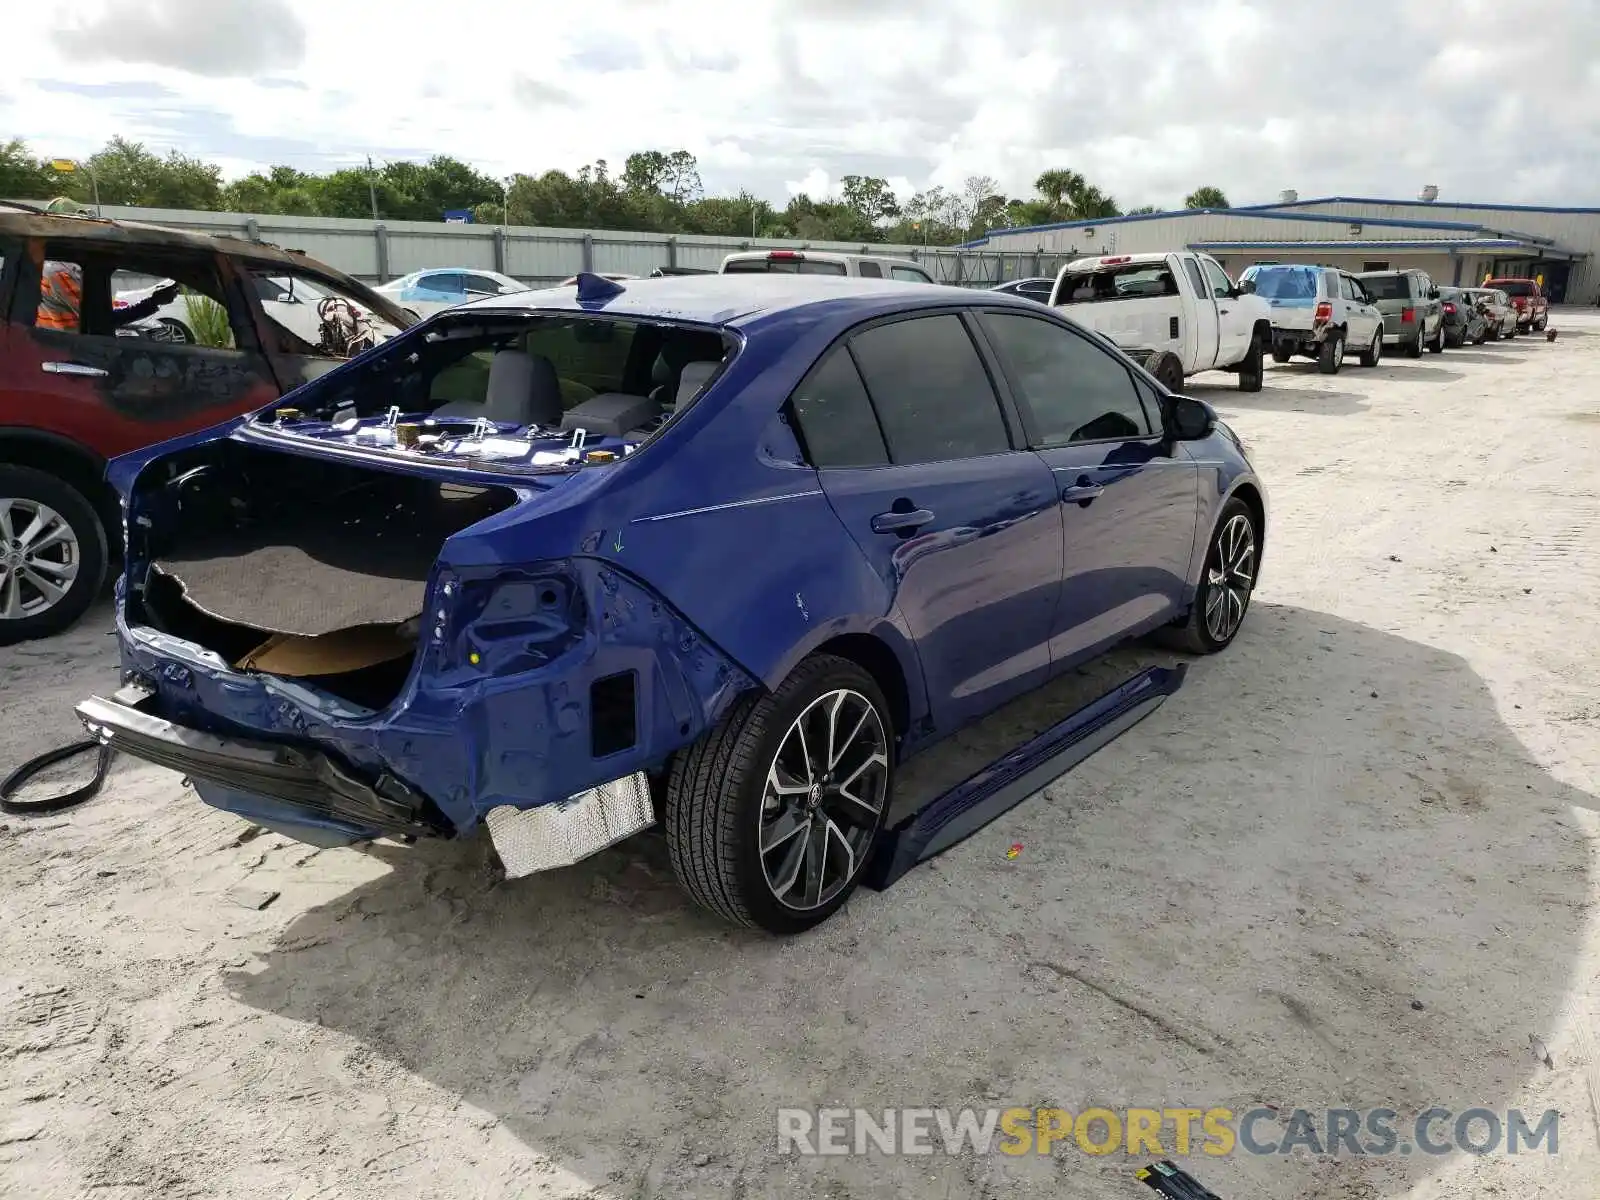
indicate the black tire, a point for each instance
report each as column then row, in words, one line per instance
column 716, row 792
column 1197, row 635
column 1281, row 354
column 1374, row 351
column 1330, row 355
column 1167, row 370
column 1437, row 345
column 1414, row 348
column 1252, row 371
column 1495, row 334
column 87, row 550
column 1483, row 336
column 1539, row 325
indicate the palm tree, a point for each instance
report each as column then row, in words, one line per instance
column 1205, row 197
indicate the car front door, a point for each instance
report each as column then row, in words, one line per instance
column 307, row 323
column 94, row 377
column 1204, row 332
column 923, row 467
column 1234, row 328
column 1129, row 495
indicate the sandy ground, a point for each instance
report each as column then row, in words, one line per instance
column 1379, row 798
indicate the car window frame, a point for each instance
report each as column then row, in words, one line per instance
column 1011, row 417
column 864, row 264
column 838, row 347
column 921, row 275
column 1229, row 291
column 1149, row 400
column 12, row 256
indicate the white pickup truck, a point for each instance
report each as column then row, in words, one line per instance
column 1174, row 314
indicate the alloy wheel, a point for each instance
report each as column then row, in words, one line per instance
column 825, row 792
column 39, row 558
column 1231, row 577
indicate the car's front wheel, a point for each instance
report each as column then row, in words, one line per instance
column 772, row 816
column 52, row 554
column 1226, row 584
column 1252, row 370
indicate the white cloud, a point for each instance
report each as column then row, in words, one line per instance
column 1148, row 98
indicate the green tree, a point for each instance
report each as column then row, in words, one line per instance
column 1068, row 196
column 23, row 177
column 1141, row 210
column 871, row 199
column 128, row 173
column 1205, row 197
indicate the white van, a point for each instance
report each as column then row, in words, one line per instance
column 823, row 262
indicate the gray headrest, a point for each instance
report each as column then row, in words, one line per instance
column 693, row 379
column 523, row 389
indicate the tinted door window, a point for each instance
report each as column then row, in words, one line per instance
column 481, row 285
column 443, row 281
column 1075, row 391
column 932, row 394
column 1192, row 270
column 869, row 270
column 1221, row 285
column 834, row 416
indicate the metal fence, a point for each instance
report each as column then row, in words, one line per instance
column 378, row 251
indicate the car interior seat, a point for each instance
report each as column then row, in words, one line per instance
column 523, row 389
column 682, row 368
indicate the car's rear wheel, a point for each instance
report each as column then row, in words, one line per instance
column 1414, row 347
column 1226, row 584
column 772, row 816
column 1167, row 370
column 1330, row 357
column 1437, row 345
column 1281, row 354
column 1374, row 351
column 52, row 554
column 1252, row 370
column 1539, row 325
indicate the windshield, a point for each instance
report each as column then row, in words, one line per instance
column 1287, row 283
column 1118, row 283
column 1386, row 287
column 1515, row 287
column 782, row 266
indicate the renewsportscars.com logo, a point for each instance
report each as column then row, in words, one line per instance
column 1164, row 1131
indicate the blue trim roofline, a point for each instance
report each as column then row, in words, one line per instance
column 1443, row 244
column 1259, row 212
column 1535, row 208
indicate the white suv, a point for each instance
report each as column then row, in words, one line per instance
column 1319, row 312
column 823, row 262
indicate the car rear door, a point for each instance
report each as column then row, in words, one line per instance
column 958, row 519
column 1129, row 495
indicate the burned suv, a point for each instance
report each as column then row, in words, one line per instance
column 116, row 336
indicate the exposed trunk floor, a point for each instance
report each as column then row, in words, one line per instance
column 320, row 574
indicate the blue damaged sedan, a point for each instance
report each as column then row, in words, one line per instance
column 716, row 553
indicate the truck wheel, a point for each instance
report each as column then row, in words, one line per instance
column 1331, row 355
column 1539, row 325
column 52, row 554
column 1281, row 354
column 772, row 816
column 1167, row 370
column 1252, row 370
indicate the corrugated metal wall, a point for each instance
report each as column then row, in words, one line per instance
column 379, row 251
column 1170, row 233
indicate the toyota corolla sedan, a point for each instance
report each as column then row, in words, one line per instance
column 717, row 552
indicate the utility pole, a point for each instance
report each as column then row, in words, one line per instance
column 372, row 188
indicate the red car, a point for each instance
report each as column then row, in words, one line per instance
column 81, row 385
column 1529, row 299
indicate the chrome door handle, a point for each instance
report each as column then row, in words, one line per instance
column 901, row 522
column 1083, row 492
column 71, row 368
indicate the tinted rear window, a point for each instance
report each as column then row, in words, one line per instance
column 1514, row 287
column 1286, row 283
column 1386, row 287
column 782, row 266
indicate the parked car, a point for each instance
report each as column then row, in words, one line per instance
column 572, row 279
column 546, row 619
column 73, row 397
column 823, row 262
column 1413, row 314
column 1499, row 315
column 1463, row 322
column 423, row 293
column 1037, row 288
column 1528, row 298
column 1317, row 312
column 1174, row 314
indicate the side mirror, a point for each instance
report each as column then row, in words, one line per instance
column 1247, row 287
column 1433, row 293
column 1189, row 420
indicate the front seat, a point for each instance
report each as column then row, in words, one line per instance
column 523, row 389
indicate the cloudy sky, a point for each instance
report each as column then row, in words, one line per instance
column 1148, row 98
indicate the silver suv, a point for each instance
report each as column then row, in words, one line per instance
column 1413, row 314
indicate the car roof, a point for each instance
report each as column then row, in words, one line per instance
column 824, row 256
column 742, row 300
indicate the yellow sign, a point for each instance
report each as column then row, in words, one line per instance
column 63, row 164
